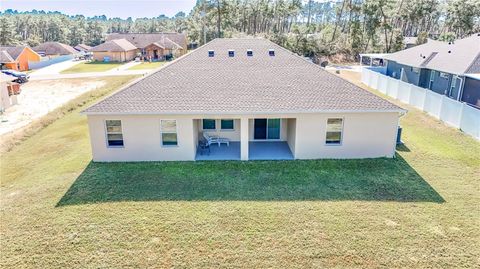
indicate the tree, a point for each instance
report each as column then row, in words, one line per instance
column 7, row 34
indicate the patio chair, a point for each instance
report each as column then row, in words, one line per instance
column 211, row 139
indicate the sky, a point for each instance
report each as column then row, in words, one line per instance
column 110, row 8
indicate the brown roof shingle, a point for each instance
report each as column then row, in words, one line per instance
column 198, row 84
column 117, row 45
column 141, row 40
column 54, row 48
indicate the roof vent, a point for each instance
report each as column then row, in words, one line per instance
column 231, row 53
column 211, row 53
column 271, row 52
column 249, row 52
column 449, row 51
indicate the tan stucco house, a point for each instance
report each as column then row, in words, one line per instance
column 155, row 46
column 118, row 50
column 262, row 99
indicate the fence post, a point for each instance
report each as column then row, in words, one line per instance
column 441, row 107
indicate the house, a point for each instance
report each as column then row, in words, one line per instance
column 8, row 91
column 82, row 47
column 440, row 67
column 55, row 49
column 118, row 50
column 409, row 41
column 155, row 46
column 17, row 57
column 267, row 102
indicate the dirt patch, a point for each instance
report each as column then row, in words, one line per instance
column 41, row 97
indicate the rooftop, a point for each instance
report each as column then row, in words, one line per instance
column 116, row 45
column 458, row 57
column 54, row 48
column 141, row 40
column 199, row 84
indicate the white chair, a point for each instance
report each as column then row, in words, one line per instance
column 212, row 139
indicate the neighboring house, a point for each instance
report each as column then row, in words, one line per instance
column 155, row 46
column 409, row 41
column 17, row 58
column 440, row 67
column 8, row 91
column 82, row 48
column 118, row 50
column 55, row 49
column 266, row 101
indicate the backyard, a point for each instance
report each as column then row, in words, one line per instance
column 419, row 210
column 91, row 67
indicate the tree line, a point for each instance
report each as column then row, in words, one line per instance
column 308, row 27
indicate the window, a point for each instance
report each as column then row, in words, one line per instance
column 168, row 129
column 231, row 53
column 211, row 53
column 249, row 52
column 443, row 75
column 271, row 52
column 432, row 79
column 334, row 131
column 415, row 70
column 226, row 124
column 114, row 133
column 208, row 124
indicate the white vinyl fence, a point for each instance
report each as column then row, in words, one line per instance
column 452, row 112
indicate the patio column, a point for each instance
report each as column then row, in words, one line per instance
column 244, row 139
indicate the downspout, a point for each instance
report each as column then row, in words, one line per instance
column 460, row 92
column 395, row 139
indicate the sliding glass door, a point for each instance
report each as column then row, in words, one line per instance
column 266, row 129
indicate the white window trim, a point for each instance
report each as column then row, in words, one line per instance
column 341, row 133
column 161, row 134
column 107, row 133
column 210, row 130
column 226, row 130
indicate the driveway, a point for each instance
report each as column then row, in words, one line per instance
column 54, row 69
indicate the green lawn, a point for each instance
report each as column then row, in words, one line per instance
column 420, row 210
column 91, row 67
column 147, row 65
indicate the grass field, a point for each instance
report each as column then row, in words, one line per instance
column 420, row 210
column 147, row 65
column 91, row 67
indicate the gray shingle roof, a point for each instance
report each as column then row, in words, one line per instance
column 117, row 45
column 198, row 84
column 5, row 57
column 54, row 48
column 141, row 40
column 459, row 57
column 13, row 51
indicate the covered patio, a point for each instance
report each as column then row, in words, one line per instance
column 258, row 150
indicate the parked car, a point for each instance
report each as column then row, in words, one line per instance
column 21, row 77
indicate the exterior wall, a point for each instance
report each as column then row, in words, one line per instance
column 26, row 56
column 365, row 135
column 142, row 142
column 115, row 56
column 394, row 70
column 233, row 135
column 13, row 66
column 291, row 134
column 471, row 92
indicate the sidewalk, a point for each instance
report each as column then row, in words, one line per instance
column 92, row 74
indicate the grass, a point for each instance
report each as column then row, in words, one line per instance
column 11, row 139
column 91, row 67
column 420, row 210
column 147, row 65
